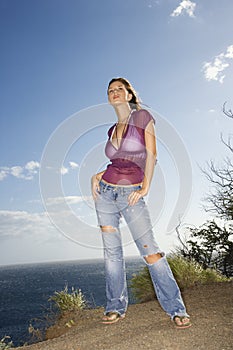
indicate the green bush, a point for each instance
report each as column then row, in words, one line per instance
column 187, row 274
column 211, row 275
column 66, row 301
column 141, row 286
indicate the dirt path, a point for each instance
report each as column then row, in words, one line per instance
column 148, row 327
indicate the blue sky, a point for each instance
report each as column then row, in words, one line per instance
column 56, row 60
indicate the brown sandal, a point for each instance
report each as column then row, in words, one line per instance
column 182, row 322
column 112, row 317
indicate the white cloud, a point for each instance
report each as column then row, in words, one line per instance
column 16, row 224
column 68, row 199
column 3, row 174
column 73, row 165
column 32, row 166
column 41, row 227
column 26, row 172
column 214, row 70
column 229, row 53
column 64, row 170
column 30, row 169
column 186, row 6
column 17, row 171
column 153, row 3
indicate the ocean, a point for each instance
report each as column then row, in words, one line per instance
column 25, row 290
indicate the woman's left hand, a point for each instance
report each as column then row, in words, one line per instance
column 134, row 197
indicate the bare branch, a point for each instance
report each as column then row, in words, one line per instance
column 228, row 113
column 179, row 237
column 228, row 143
column 220, row 197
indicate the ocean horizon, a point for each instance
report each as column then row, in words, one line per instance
column 25, row 290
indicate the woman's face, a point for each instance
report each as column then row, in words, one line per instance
column 117, row 93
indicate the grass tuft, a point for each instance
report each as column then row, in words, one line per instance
column 5, row 343
column 187, row 274
column 66, row 301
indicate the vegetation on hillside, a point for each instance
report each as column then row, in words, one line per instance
column 187, row 273
column 68, row 301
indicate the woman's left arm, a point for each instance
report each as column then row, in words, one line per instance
column 150, row 142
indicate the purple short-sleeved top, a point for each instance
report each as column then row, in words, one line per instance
column 128, row 161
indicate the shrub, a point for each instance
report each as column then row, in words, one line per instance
column 141, row 286
column 35, row 333
column 187, row 273
column 5, row 345
column 211, row 275
column 66, row 301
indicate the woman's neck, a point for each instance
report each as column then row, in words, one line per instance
column 123, row 111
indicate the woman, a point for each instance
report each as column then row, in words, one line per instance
column 118, row 192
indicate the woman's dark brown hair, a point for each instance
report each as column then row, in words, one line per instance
column 134, row 102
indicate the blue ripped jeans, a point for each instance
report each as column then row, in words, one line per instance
column 111, row 204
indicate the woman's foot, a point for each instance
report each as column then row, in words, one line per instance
column 182, row 322
column 112, row 317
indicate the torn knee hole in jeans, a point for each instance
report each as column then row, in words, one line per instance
column 108, row 229
column 152, row 258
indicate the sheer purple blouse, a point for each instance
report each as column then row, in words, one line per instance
column 128, row 161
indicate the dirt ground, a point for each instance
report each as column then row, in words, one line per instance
column 146, row 326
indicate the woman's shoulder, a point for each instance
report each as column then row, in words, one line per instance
column 142, row 117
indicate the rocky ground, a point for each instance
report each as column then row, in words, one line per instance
column 146, row 326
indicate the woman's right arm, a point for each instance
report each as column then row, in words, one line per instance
column 95, row 187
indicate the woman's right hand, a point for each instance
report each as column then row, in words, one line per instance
column 95, row 187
